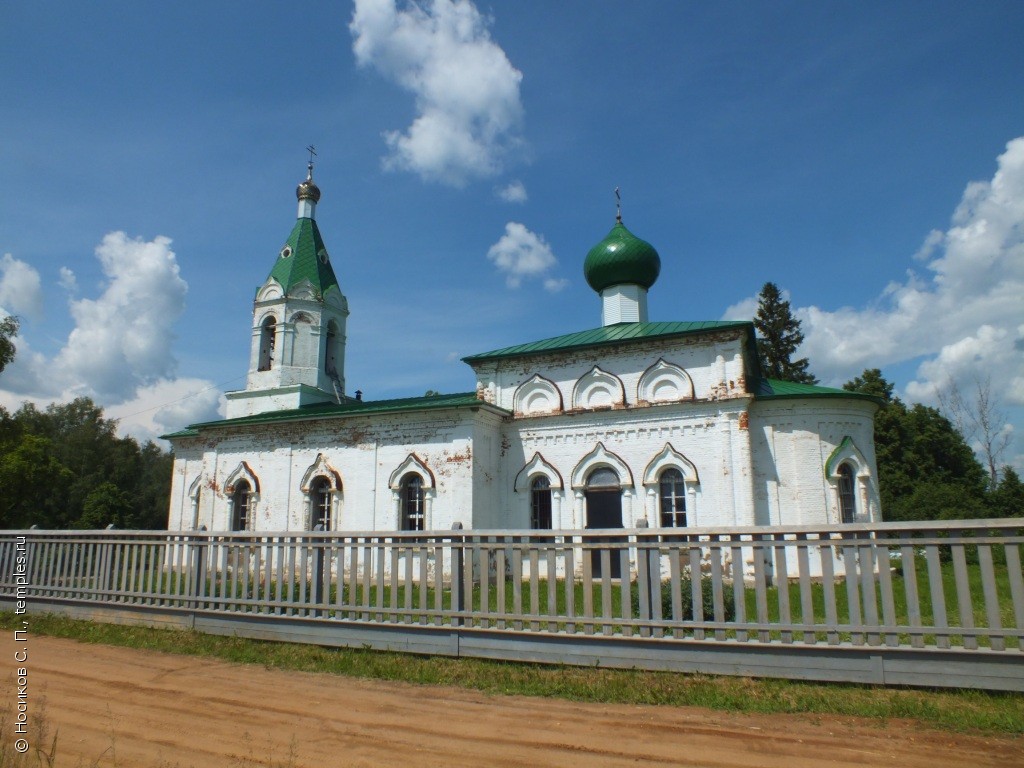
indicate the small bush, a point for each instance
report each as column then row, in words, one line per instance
column 686, row 600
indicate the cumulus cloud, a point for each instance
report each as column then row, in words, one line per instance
column 961, row 316
column 119, row 351
column 166, row 406
column 122, row 339
column 522, row 254
column 963, row 313
column 467, row 92
column 514, row 192
column 20, row 291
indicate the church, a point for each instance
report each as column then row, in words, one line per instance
column 670, row 423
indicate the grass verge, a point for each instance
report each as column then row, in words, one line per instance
column 960, row 710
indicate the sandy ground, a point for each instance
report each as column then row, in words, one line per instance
column 116, row 706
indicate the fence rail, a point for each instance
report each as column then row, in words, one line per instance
column 922, row 603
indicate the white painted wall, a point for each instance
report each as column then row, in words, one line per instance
column 752, row 462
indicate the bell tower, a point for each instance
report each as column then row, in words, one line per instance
column 297, row 352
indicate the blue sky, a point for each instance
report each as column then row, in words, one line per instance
column 861, row 155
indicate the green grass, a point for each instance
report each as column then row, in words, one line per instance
column 950, row 710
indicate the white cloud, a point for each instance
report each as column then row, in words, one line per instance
column 966, row 313
column 122, row 339
column 963, row 317
column 68, row 281
column 466, row 90
column 555, row 284
column 119, row 351
column 514, row 192
column 20, row 291
column 521, row 254
column 744, row 309
column 166, row 406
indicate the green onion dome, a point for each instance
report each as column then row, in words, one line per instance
column 621, row 258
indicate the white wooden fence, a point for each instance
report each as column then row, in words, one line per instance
column 937, row 604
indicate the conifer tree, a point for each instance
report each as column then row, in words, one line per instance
column 779, row 336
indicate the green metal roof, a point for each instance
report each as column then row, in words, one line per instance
column 774, row 389
column 621, row 258
column 611, row 334
column 349, row 408
column 306, row 259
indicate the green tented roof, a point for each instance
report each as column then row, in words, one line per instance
column 307, row 259
column 610, row 334
column 347, row 409
column 774, row 389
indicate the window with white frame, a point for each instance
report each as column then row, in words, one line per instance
column 672, row 498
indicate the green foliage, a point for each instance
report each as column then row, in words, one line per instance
column 65, row 467
column 686, row 600
column 1008, row 496
column 779, row 336
column 8, row 330
column 926, row 470
column 31, row 477
column 106, row 505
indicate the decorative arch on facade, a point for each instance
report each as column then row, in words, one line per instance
column 270, row 315
column 321, row 468
column 670, row 457
column 412, row 463
column 194, row 493
column 304, row 290
column 600, row 457
column 537, row 396
column 242, row 472
column 538, row 466
column 598, row 389
column 847, row 453
column 664, row 382
column 270, row 290
column 195, row 488
column 301, row 317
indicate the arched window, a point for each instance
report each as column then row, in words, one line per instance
column 331, row 358
column 413, row 503
column 603, row 478
column 540, row 497
column 267, row 342
column 241, row 501
column 847, row 499
column 672, row 498
column 320, row 503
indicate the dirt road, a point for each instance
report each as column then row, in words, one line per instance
column 115, row 706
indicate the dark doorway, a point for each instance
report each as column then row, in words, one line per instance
column 604, row 510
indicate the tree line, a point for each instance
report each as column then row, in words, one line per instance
column 65, row 467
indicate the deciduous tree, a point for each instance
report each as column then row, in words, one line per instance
column 8, row 330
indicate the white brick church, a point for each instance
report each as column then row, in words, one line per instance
column 670, row 422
